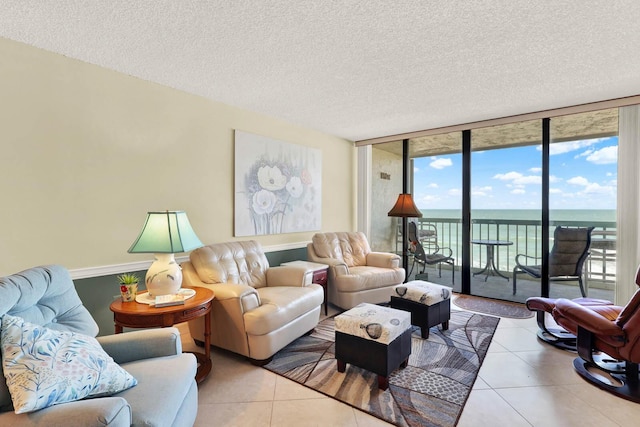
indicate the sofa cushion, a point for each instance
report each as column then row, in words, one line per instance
column 350, row 247
column 44, row 367
column 364, row 278
column 163, row 384
column 373, row 322
column 44, row 296
column 280, row 306
column 422, row 292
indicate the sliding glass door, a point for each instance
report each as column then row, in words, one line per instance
column 583, row 161
column 437, row 187
column 506, row 170
column 515, row 195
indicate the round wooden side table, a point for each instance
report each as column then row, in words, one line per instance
column 137, row 315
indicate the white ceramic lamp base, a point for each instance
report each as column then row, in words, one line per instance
column 164, row 276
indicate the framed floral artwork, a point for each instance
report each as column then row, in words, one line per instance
column 277, row 186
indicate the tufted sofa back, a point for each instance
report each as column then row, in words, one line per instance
column 350, row 247
column 44, row 296
column 232, row 262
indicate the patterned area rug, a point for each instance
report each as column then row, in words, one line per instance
column 493, row 307
column 431, row 391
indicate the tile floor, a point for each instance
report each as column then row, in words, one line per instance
column 522, row 382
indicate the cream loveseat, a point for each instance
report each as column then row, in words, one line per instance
column 166, row 393
column 257, row 309
column 356, row 274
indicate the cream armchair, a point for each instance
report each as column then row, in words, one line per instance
column 257, row 309
column 356, row 274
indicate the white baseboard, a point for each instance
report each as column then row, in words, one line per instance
column 108, row 270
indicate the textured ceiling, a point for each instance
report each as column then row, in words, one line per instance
column 592, row 124
column 355, row 69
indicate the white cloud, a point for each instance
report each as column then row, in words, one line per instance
column 455, row 192
column 432, row 185
column 508, row 176
column 604, row 156
column 535, row 170
column 555, row 191
column 481, row 191
column 518, row 191
column 595, row 188
column 567, row 147
column 583, row 154
column 428, row 199
column 518, row 179
column 578, row 180
column 440, row 163
column 589, row 189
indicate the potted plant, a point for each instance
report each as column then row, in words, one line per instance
column 128, row 279
column 128, row 286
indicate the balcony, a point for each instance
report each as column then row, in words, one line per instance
column 526, row 238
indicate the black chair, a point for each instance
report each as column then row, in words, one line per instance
column 566, row 259
column 427, row 251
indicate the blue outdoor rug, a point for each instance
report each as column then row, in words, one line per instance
column 431, row 391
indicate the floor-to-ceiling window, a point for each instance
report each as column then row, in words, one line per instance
column 508, row 198
column 583, row 160
column 436, row 163
column 505, row 206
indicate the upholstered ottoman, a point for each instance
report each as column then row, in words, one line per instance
column 428, row 303
column 374, row 338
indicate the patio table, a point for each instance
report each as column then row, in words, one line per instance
column 490, row 266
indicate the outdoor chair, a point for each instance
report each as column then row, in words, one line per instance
column 608, row 344
column 566, row 259
column 427, row 251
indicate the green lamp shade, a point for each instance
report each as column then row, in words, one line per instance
column 166, row 232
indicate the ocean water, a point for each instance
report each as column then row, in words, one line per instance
column 598, row 215
column 519, row 226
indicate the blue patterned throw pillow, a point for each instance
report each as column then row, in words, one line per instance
column 44, row 367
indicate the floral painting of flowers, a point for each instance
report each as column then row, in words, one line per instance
column 277, row 186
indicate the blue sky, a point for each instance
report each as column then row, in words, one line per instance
column 583, row 176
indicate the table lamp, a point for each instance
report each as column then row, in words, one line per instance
column 164, row 234
column 405, row 208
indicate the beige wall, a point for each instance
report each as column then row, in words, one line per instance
column 86, row 152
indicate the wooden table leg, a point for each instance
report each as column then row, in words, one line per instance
column 207, row 335
column 204, row 360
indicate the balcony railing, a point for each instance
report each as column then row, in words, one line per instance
column 526, row 236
